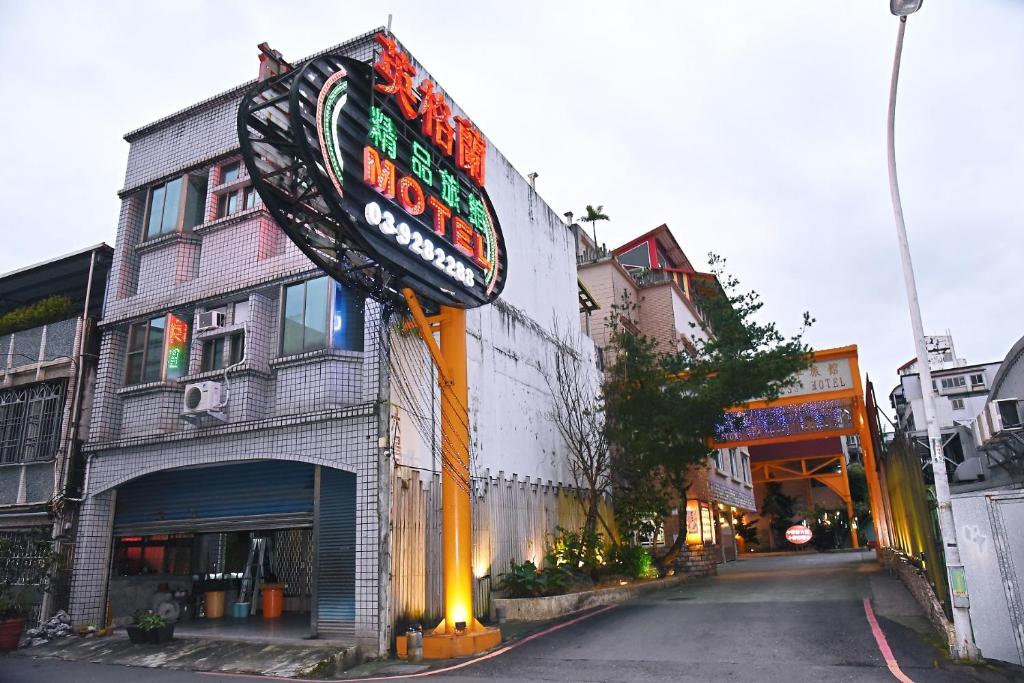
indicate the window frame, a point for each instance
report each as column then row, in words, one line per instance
column 954, row 401
column 192, row 185
column 330, row 311
column 980, row 376
column 144, row 351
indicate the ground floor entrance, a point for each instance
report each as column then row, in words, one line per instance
column 261, row 550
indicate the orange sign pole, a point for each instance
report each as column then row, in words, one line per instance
column 459, row 634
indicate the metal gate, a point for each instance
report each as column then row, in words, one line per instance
column 336, row 555
column 262, row 494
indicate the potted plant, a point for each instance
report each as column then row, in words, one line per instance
column 13, row 613
column 135, row 633
column 26, row 565
column 156, row 629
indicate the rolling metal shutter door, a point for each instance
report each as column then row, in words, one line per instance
column 263, row 494
column 336, row 547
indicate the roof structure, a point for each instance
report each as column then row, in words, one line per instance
column 66, row 275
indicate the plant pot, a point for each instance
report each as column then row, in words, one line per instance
column 10, row 633
column 159, row 636
column 136, row 634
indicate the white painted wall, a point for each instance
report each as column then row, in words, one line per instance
column 509, row 399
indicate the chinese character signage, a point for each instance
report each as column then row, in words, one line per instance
column 822, row 377
column 176, row 354
column 370, row 172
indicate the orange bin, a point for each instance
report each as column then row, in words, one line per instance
column 273, row 600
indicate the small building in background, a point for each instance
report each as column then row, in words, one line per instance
column 652, row 277
column 48, row 351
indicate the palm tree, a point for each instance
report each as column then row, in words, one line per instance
column 595, row 214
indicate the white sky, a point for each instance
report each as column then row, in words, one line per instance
column 753, row 129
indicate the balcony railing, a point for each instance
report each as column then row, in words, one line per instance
column 645, row 278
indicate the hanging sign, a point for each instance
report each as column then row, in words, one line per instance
column 798, row 534
column 369, row 172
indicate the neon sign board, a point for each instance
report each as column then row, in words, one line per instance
column 176, row 353
column 798, row 534
column 375, row 179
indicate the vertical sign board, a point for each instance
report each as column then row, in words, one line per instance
column 371, row 174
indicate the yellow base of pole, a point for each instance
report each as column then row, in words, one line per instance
column 459, row 634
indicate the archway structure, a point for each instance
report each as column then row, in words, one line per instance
column 796, row 437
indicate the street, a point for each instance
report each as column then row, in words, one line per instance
column 775, row 618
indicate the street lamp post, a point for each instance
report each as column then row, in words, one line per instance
column 964, row 646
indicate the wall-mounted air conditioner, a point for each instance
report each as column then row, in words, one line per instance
column 210, row 320
column 976, row 430
column 202, row 398
column 1004, row 415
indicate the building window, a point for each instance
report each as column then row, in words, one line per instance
column 347, row 319
column 977, row 380
column 214, row 351
column 732, row 462
column 146, row 351
column 252, row 200
column 305, row 316
column 958, row 403
column 317, row 315
column 229, row 172
column 30, row 419
column 213, row 354
column 163, row 208
column 719, row 460
column 227, row 204
column 954, row 382
column 746, row 467
column 160, row 554
column 165, row 205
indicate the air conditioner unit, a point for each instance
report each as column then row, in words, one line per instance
column 976, row 430
column 202, row 398
column 984, row 427
column 1004, row 415
column 210, row 320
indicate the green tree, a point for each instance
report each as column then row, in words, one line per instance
column 595, row 214
column 663, row 405
column 779, row 509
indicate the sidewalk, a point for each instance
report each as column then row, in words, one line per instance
column 201, row 654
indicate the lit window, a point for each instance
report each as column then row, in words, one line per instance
column 317, row 315
column 305, row 316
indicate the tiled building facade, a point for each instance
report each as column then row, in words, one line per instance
column 313, row 402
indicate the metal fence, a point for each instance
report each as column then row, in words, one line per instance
column 912, row 514
column 514, row 520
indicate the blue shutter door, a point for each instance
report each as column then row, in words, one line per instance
column 336, row 548
column 262, row 494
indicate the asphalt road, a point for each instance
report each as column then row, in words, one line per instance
column 783, row 618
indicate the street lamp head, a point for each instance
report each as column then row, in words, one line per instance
column 902, row 8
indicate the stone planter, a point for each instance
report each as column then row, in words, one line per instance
column 542, row 609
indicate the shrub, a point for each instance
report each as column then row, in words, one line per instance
column 526, row 581
column 48, row 310
column 576, row 551
column 632, row 560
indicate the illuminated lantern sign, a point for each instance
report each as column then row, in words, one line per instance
column 372, row 175
column 176, row 354
column 798, row 534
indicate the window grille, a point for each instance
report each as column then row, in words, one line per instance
column 30, row 420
